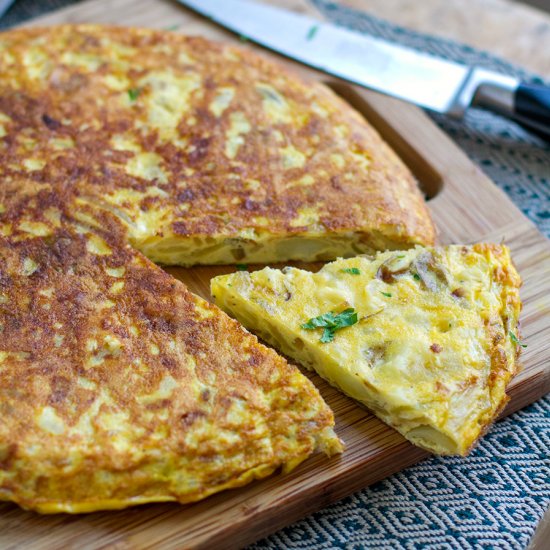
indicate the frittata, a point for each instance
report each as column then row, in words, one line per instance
column 117, row 385
column 426, row 338
column 206, row 153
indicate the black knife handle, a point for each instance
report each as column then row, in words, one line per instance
column 532, row 108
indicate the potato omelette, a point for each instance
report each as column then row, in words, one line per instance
column 425, row 338
column 118, row 386
column 206, row 153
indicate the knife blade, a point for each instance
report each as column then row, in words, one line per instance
column 5, row 5
column 428, row 81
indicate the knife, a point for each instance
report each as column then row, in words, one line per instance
column 5, row 5
column 428, row 81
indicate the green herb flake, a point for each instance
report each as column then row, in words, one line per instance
column 400, row 256
column 241, row 267
column 331, row 322
column 312, row 32
column 416, row 276
column 133, row 93
column 351, row 270
column 386, row 294
column 514, row 339
column 244, row 38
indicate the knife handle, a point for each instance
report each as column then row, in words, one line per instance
column 527, row 104
column 532, row 108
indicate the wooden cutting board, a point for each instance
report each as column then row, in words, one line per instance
column 466, row 206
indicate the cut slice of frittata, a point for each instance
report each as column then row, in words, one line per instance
column 426, row 338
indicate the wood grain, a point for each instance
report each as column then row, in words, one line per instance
column 466, row 206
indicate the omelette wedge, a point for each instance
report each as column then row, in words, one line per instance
column 120, row 387
column 206, row 153
column 425, row 338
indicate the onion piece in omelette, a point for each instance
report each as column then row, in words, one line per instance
column 426, row 338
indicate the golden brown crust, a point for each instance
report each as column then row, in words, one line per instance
column 118, row 386
column 208, row 139
column 504, row 356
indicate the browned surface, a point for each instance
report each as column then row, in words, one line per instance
column 299, row 162
column 468, row 208
column 128, row 362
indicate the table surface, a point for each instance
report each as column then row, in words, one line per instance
column 486, row 25
column 513, row 31
column 506, row 28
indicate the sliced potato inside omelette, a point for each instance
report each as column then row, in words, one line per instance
column 426, row 338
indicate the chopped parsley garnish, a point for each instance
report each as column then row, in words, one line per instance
column 133, row 93
column 351, row 270
column 416, row 276
column 387, row 294
column 514, row 339
column 331, row 322
column 400, row 256
column 312, row 32
column 241, row 267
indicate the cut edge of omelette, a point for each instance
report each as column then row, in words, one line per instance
column 129, row 388
column 435, row 343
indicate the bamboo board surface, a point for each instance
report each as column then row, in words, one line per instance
column 466, row 207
